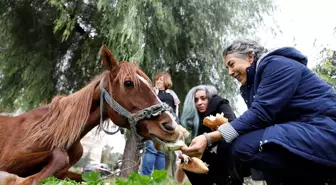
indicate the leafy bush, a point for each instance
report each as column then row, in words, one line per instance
column 159, row 177
column 92, row 178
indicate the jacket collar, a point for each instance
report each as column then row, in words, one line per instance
column 250, row 73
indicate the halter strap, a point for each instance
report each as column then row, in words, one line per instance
column 110, row 101
column 133, row 119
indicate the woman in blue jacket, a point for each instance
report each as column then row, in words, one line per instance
column 289, row 129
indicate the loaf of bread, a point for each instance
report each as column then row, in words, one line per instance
column 214, row 122
column 195, row 165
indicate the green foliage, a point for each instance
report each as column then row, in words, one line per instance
column 184, row 38
column 92, row 178
column 35, row 63
column 55, row 181
column 159, row 177
column 52, row 47
column 326, row 69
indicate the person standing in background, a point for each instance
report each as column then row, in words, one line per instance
column 153, row 159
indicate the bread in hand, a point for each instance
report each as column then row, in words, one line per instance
column 214, row 122
column 195, row 165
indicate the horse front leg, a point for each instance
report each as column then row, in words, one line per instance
column 75, row 153
column 58, row 160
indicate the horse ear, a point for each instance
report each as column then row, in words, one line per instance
column 109, row 61
column 134, row 62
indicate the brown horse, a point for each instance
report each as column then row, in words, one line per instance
column 46, row 141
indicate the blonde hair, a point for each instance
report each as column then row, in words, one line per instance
column 167, row 82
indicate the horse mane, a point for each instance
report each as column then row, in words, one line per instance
column 68, row 115
column 65, row 120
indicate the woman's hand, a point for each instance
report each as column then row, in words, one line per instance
column 196, row 147
column 200, row 143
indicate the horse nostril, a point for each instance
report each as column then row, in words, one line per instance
column 167, row 126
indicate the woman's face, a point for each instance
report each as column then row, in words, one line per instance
column 159, row 83
column 237, row 66
column 201, row 101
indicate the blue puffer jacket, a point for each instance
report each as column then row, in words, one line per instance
column 296, row 107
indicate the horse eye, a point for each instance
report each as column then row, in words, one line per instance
column 128, row 84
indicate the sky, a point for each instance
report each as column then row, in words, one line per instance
column 309, row 25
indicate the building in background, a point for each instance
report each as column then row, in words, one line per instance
column 93, row 144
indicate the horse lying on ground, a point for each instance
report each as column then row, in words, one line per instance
column 46, row 141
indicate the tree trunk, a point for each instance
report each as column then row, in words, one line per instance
column 130, row 153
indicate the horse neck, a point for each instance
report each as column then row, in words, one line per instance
column 94, row 116
column 93, row 120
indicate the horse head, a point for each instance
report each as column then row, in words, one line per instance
column 128, row 99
